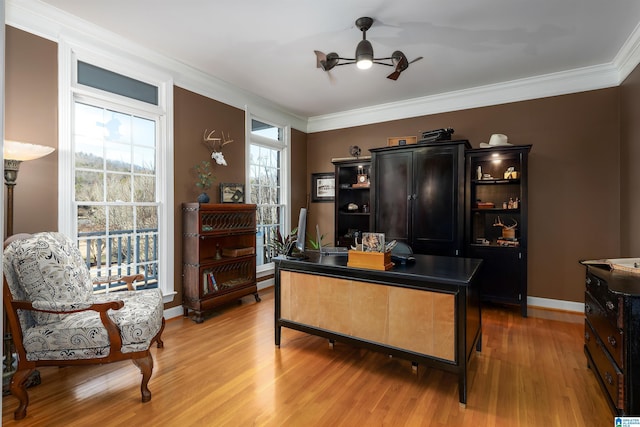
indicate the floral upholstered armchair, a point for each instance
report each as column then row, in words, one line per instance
column 56, row 320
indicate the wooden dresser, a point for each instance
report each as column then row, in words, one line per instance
column 612, row 335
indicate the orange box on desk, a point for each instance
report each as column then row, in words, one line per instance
column 370, row 260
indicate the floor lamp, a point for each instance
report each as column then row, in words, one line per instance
column 15, row 153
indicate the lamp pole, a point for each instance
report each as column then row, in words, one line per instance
column 10, row 175
column 14, row 154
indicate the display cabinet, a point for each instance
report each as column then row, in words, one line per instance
column 218, row 255
column 418, row 195
column 352, row 201
column 496, row 231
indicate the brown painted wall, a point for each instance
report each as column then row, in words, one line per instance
column 574, row 171
column 630, row 161
column 574, row 175
column 31, row 115
column 193, row 114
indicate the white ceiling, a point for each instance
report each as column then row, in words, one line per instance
column 267, row 47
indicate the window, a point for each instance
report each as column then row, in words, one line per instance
column 115, row 193
column 268, row 185
column 116, row 188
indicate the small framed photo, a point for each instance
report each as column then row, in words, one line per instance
column 231, row 192
column 373, row 242
column 323, row 187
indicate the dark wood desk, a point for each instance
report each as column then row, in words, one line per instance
column 427, row 312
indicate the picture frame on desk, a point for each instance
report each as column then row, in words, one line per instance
column 231, row 192
column 323, row 187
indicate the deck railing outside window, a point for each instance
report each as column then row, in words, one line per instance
column 121, row 253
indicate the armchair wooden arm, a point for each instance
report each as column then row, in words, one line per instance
column 126, row 279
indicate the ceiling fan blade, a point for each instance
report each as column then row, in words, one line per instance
column 400, row 61
column 394, row 75
column 320, row 57
column 326, row 61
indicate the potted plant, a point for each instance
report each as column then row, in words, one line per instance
column 280, row 245
column 205, row 179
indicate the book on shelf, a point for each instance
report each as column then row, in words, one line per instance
column 212, row 285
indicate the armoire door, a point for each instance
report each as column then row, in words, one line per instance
column 434, row 223
column 393, row 181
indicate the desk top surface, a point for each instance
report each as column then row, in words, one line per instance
column 426, row 268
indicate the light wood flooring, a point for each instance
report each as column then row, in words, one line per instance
column 227, row 372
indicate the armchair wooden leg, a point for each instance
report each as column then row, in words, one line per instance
column 145, row 365
column 158, row 337
column 19, row 390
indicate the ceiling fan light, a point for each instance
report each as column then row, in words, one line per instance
column 364, row 64
column 364, row 55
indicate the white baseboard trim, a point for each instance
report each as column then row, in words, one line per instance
column 269, row 283
column 556, row 304
column 173, row 312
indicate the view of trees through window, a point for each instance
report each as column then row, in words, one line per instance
column 265, row 175
column 115, row 191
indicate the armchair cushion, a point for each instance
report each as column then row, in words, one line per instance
column 50, row 268
column 82, row 335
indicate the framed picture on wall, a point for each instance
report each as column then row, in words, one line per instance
column 323, row 187
column 231, row 193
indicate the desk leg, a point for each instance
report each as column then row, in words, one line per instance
column 462, row 386
column 278, row 331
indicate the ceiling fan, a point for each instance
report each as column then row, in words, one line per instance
column 364, row 55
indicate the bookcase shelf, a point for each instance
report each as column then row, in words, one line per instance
column 218, row 250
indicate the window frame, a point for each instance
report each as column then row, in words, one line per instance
column 284, row 146
column 69, row 53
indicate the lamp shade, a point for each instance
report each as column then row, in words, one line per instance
column 22, row 151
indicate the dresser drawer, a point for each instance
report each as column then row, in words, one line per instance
column 605, row 369
column 609, row 334
column 612, row 303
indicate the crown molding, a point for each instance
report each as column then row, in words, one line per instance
column 628, row 56
column 48, row 22
column 53, row 24
column 554, row 84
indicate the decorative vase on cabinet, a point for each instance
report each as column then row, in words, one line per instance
column 218, row 255
column 496, row 226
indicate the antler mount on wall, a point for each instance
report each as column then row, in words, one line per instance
column 364, row 58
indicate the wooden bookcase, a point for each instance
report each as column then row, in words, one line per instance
column 218, row 255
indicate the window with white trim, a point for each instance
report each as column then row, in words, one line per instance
column 115, row 144
column 268, row 171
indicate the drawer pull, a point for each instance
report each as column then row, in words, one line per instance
column 608, row 377
column 612, row 340
column 587, row 308
column 587, row 336
column 610, row 305
column 588, row 280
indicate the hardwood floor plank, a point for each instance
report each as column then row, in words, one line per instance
column 228, row 372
